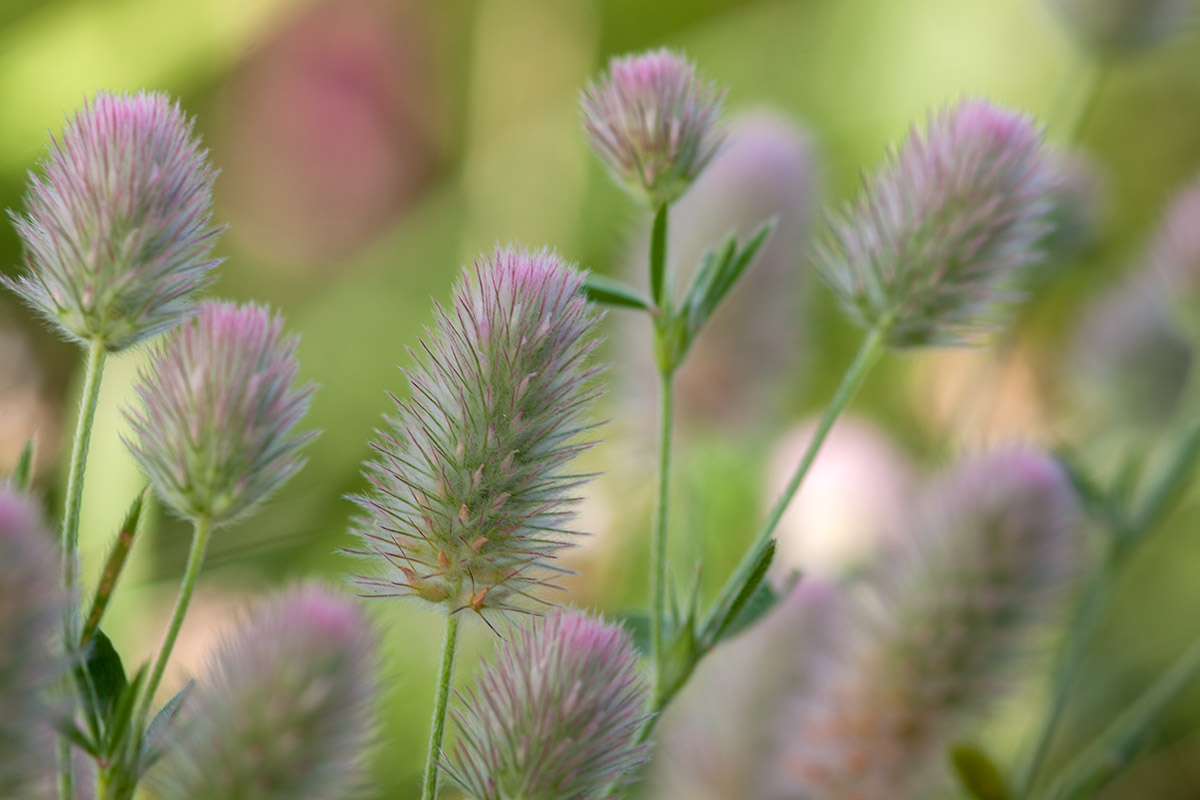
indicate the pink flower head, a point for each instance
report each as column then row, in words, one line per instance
column 472, row 492
column 945, row 228
column 214, row 432
column 556, row 716
column 286, row 711
column 653, row 123
column 117, row 233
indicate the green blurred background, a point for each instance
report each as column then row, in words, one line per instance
column 370, row 148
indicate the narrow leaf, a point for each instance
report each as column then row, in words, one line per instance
column 105, row 674
column 22, row 476
column 722, row 618
column 113, row 567
column 607, row 291
column 161, row 723
column 978, row 774
column 658, row 255
column 763, row 599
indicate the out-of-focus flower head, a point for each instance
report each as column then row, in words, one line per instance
column 286, row 711
column 937, row 243
column 1174, row 254
column 215, row 428
column 556, row 716
column 1124, row 26
column 951, row 612
column 472, row 494
column 31, row 604
column 117, row 233
column 653, row 123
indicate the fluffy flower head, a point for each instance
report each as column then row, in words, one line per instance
column 471, row 493
column 939, row 238
column 286, row 709
column 1122, row 26
column 214, row 430
column 653, row 122
column 117, row 233
column 555, row 717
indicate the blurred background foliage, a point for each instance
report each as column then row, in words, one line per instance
column 370, row 148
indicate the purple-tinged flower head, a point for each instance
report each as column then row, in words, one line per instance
column 556, row 716
column 945, row 228
column 117, row 233
column 1080, row 209
column 214, row 432
column 1124, row 26
column 653, row 123
column 286, row 710
column 31, row 604
column 1174, row 254
column 939, row 636
column 472, row 491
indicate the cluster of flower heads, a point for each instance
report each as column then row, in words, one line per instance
column 555, row 717
column 987, row 560
column 654, row 123
column 286, row 710
column 215, row 429
column 471, row 495
column 117, row 234
column 940, row 237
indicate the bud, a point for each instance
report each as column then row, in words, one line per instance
column 653, row 123
column 472, row 492
column 937, row 243
column 117, row 234
column 286, row 710
column 214, row 432
column 31, row 604
column 959, row 604
column 1124, row 26
column 556, row 716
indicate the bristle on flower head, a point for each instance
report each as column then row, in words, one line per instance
column 989, row 559
column 1124, row 26
column 653, row 122
column 935, row 246
column 286, row 711
column 117, row 234
column 31, row 603
column 556, row 716
column 471, row 495
column 214, row 430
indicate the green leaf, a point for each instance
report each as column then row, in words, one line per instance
column 978, row 774
column 718, row 273
column 761, row 601
column 607, row 291
column 637, row 623
column 113, row 567
column 658, row 255
column 105, row 675
column 22, row 476
column 722, row 618
column 121, row 736
column 66, row 728
column 162, row 721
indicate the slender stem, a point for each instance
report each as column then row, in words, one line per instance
column 658, row 535
column 66, row 778
column 191, row 573
column 437, row 728
column 870, row 351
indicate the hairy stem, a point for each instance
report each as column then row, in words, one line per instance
column 658, row 536
column 441, row 700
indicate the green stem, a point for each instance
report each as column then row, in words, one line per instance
column 870, row 351
column 658, row 534
column 191, row 573
column 437, row 728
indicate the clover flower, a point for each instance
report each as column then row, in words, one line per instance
column 936, row 244
column 1174, row 254
column 286, row 709
column 471, row 490
column 653, row 123
column 214, row 432
column 952, row 613
column 117, row 233
column 556, row 716
column 31, row 604
column 1124, row 26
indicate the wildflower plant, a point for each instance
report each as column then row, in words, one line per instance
column 474, row 481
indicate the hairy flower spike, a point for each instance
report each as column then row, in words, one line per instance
column 117, row 234
column 555, row 717
column 286, row 710
column 471, row 497
column 989, row 557
column 1124, row 26
column 944, row 229
column 653, row 123
column 31, row 603
column 214, row 432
